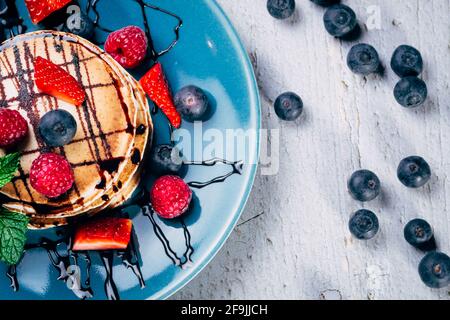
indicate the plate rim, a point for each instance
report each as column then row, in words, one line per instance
column 251, row 79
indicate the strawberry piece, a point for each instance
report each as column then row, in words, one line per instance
column 156, row 86
column 41, row 9
column 51, row 175
column 57, row 82
column 103, row 234
column 170, row 197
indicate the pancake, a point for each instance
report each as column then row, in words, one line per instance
column 114, row 125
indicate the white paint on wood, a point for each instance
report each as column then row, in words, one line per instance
column 300, row 248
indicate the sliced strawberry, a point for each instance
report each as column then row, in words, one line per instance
column 41, row 9
column 156, row 86
column 57, row 82
column 103, row 234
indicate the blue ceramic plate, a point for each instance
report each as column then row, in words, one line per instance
column 209, row 55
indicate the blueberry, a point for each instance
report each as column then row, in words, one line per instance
column 340, row 20
column 411, row 92
column 434, row 270
column 407, row 61
column 326, row 3
column 413, row 172
column 281, row 9
column 192, row 103
column 363, row 59
column 288, row 106
column 363, row 224
column 166, row 159
column 81, row 25
column 57, row 128
column 364, row 185
column 419, row 234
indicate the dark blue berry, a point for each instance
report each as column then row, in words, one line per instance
column 81, row 25
column 288, row 106
column 419, row 234
column 363, row 224
column 192, row 103
column 434, row 270
column 407, row 61
column 57, row 128
column 340, row 20
column 364, row 185
column 281, row 9
column 363, row 59
column 411, row 92
column 414, row 172
column 166, row 159
column 326, row 3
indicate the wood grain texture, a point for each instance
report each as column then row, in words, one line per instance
column 300, row 248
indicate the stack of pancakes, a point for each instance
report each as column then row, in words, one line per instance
column 114, row 127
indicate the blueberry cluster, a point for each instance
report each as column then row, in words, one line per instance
column 413, row 172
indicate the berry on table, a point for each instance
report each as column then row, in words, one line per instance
column 13, row 128
column 363, row 59
column 407, row 61
column 419, row 234
column 363, row 224
column 288, row 106
column 51, row 175
column 364, row 185
column 413, row 172
column 166, row 159
column 192, row 103
column 434, row 270
column 340, row 20
column 128, row 46
column 84, row 26
column 57, row 128
column 281, row 9
column 411, row 92
column 170, row 197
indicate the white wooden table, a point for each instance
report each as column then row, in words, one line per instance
column 300, row 247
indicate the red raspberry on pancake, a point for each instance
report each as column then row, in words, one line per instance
column 51, row 175
column 13, row 128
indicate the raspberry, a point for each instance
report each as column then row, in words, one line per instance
column 170, row 197
column 128, row 46
column 51, row 175
column 13, row 127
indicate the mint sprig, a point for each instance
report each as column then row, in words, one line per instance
column 13, row 228
column 8, row 167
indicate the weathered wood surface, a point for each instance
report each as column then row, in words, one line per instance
column 300, row 247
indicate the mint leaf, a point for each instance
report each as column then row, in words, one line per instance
column 8, row 167
column 13, row 228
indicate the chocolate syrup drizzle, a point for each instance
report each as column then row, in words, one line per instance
column 64, row 263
